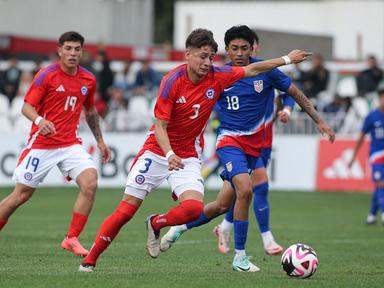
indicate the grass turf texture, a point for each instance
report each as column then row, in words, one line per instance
column 350, row 253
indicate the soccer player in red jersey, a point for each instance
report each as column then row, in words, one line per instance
column 53, row 103
column 175, row 142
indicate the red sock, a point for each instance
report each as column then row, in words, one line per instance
column 2, row 223
column 77, row 224
column 109, row 230
column 187, row 211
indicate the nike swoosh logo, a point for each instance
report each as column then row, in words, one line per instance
column 243, row 269
column 264, row 208
column 227, row 89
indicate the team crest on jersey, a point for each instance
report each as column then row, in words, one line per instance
column 258, row 85
column 28, row 176
column 140, row 179
column 84, row 90
column 229, row 166
column 210, row 93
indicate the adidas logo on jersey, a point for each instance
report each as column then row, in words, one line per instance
column 181, row 100
column 60, row 89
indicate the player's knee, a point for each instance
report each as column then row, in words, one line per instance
column 193, row 208
column 223, row 208
column 89, row 188
column 244, row 193
column 244, row 189
column 22, row 197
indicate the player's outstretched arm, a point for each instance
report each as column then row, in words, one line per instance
column 174, row 161
column 295, row 56
column 308, row 107
column 92, row 118
column 356, row 149
column 46, row 127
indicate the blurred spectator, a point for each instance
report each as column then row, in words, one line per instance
column 38, row 66
column 368, row 80
column 147, row 77
column 296, row 75
column 139, row 117
column 104, row 74
column 11, row 78
column 25, row 81
column 53, row 57
column 125, row 79
column 316, row 79
column 87, row 62
column 339, row 104
column 117, row 110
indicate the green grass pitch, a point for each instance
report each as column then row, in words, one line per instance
column 350, row 253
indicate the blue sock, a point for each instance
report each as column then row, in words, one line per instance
column 201, row 221
column 261, row 206
column 374, row 202
column 229, row 215
column 380, row 198
column 241, row 231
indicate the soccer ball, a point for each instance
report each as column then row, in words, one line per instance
column 299, row 260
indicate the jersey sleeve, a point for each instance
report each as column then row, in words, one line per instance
column 367, row 125
column 227, row 75
column 288, row 100
column 165, row 100
column 279, row 80
column 37, row 90
column 90, row 100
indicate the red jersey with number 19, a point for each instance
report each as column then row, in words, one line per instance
column 187, row 107
column 59, row 98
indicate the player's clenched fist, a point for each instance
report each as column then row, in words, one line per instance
column 297, row 56
column 46, row 127
column 175, row 163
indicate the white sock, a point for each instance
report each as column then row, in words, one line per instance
column 239, row 253
column 267, row 237
column 382, row 217
column 183, row 227
column 226, row 226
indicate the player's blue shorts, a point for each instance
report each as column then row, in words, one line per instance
column 377, row 172
column 235, row 161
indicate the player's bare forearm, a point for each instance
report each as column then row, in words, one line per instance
column 92, row 118
column 295, row 56
column 29, row 111
column 162, row 135
column 308, row 107
column 356, row 149
column 256, row 68
column 304, row 103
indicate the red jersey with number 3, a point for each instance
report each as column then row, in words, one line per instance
column 187, row 107
column 59, row 98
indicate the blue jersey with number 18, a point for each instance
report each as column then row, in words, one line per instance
column 245, row 111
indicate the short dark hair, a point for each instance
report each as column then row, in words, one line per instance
column 71, row 36
column 199, row 38
column 242, row 32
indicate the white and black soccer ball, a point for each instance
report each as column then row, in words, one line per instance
column 299, row 260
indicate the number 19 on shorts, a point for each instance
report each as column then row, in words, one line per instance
column 71, row 102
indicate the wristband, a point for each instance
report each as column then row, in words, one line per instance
column 286, row 59
column 287, row 111
column 38, row 119
column 169, row 154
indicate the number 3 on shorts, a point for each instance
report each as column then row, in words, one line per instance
column 148, row 163
column 34, row 162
